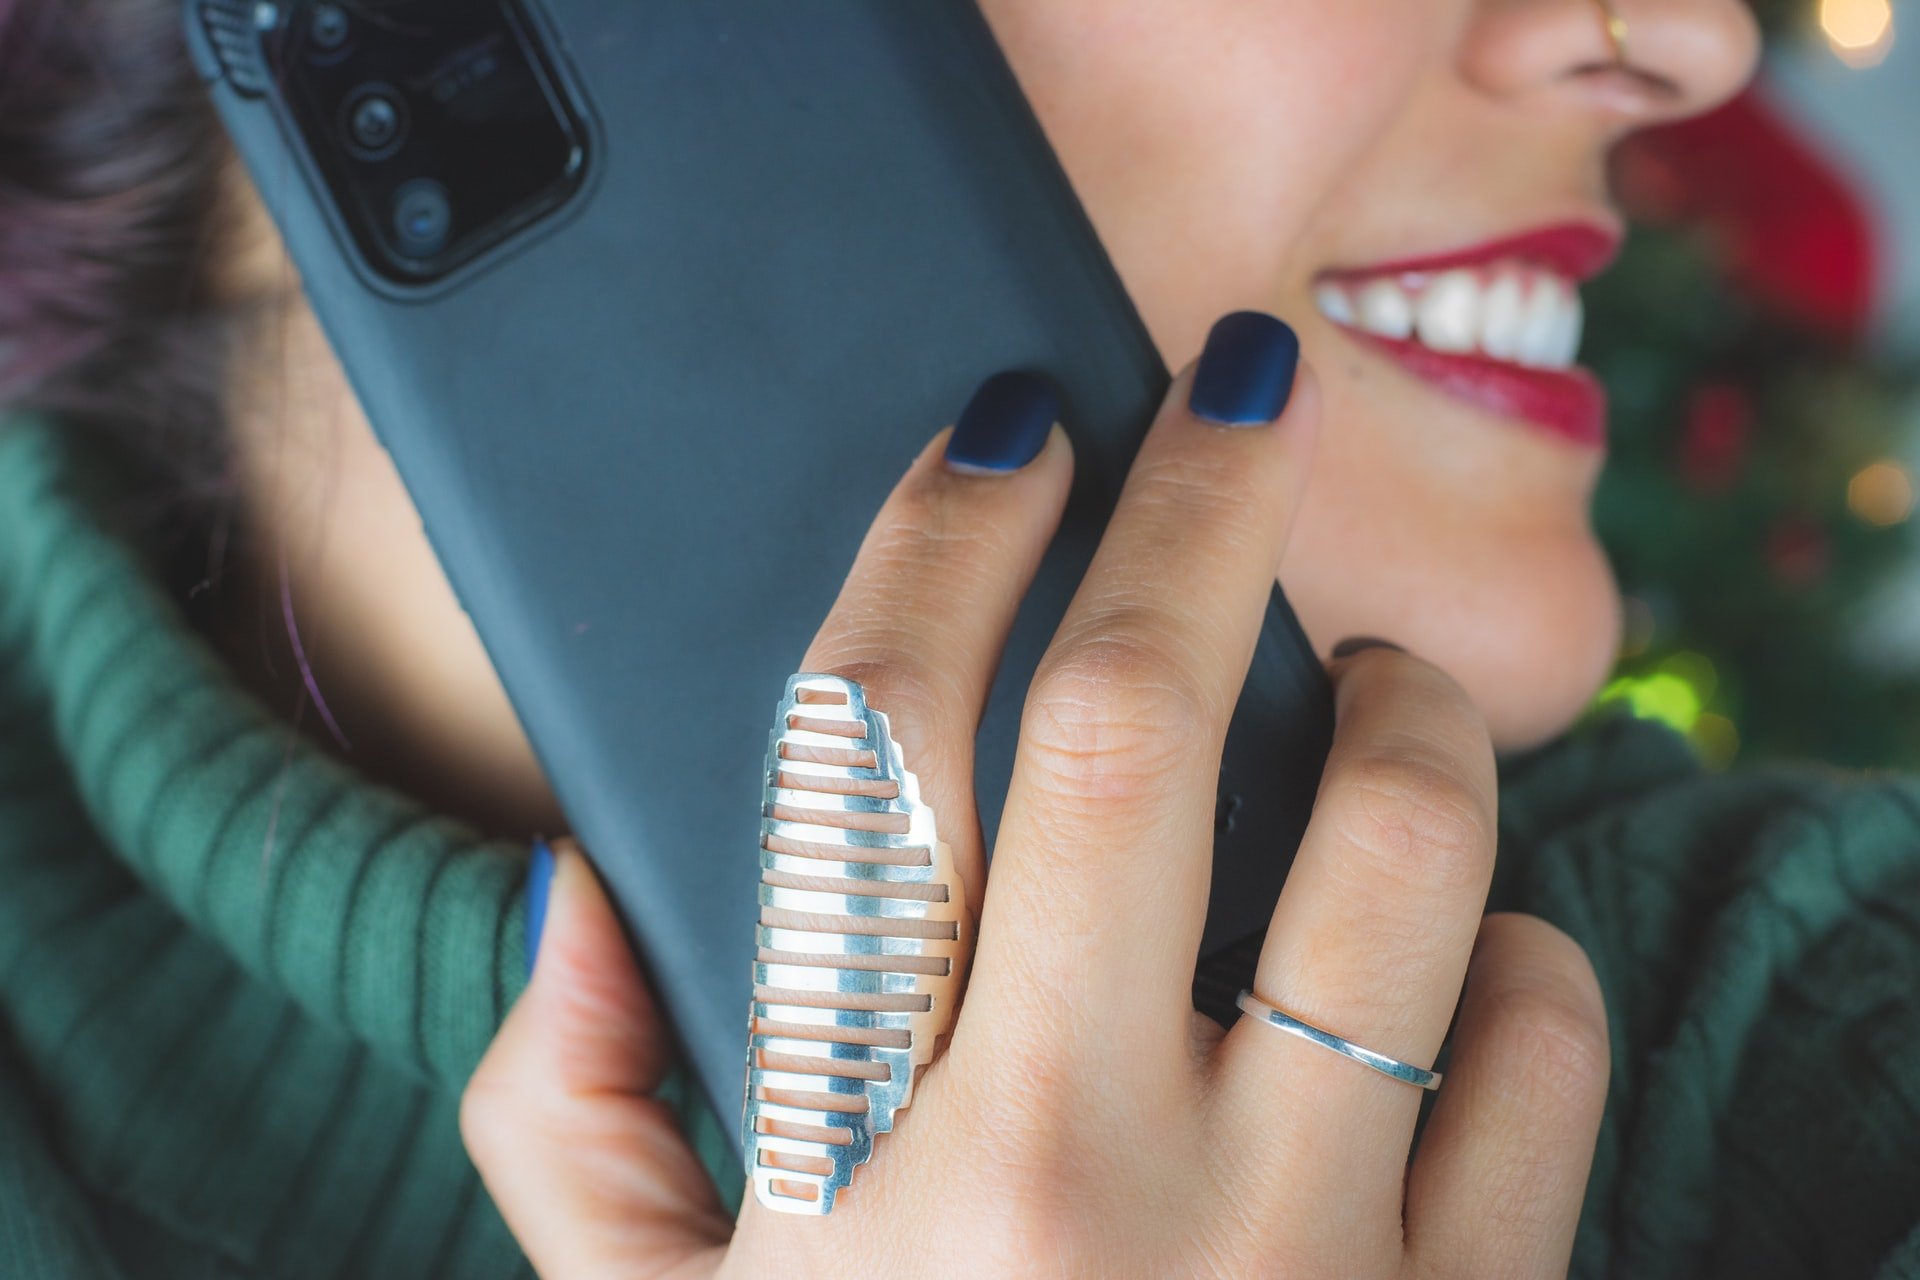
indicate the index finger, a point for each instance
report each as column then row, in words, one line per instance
column 1100, row 874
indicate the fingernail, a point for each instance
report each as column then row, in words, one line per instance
column 1354, row 644
column 539, row 888
column 1245, row 375
column 1005, row 425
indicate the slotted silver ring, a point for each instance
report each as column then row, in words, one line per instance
column 1405, row 1072
column 863, row 939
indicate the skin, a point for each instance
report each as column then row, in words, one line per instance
column 1229, row 151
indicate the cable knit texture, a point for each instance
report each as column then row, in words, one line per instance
column 241, row 986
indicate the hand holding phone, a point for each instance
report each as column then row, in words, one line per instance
column 1080, row 1122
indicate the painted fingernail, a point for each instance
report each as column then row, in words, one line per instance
column 1005, row 425
column 539, row 889
column 1245, row 374
column 1355, row 644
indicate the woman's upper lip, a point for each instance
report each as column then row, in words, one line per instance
column 1575, row 250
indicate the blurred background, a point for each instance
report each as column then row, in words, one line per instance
column 1760, row 337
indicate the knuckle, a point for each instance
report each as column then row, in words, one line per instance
column 1052, row 1228
column 927, row 712
column 913, row 693
column 1111, row 717
column 923, row 557
column 1414, row 822
column 894, row 679
column 1038, row 1162
column 1212, row 490
column 929, row 525
column 1426, row 703
column 872, row 637
column 1555, row 1035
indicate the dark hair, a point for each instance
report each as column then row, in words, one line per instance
column 110, row 196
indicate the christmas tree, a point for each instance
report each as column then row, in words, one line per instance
column 1755, row 499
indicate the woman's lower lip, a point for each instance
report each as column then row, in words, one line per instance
column 1569, row 404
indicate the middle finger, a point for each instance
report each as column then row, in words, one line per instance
column 1099, row 884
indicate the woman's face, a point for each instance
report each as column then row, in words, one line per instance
column 1253, row 153
column 1273, row 154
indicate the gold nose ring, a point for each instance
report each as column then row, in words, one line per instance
column 1616, row 30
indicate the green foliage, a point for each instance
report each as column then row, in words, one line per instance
column 1725, row 507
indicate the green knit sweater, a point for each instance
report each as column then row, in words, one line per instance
column 241, row 987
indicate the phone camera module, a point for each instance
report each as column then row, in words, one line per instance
column 376, row 121
column 440, row 128
column 422, row 218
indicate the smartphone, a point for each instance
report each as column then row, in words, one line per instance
column 652, row 303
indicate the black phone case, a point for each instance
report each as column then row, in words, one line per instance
column 647, row 436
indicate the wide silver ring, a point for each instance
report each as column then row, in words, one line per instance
column 863, row 941
column 1405, row 1072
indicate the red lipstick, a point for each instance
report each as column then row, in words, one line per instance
column 1520, row 307
column 1569, row 403
column 1576, row 250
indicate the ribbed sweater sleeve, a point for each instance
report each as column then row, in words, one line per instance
column 240, row 988
column 364, row 906
column 256, row 845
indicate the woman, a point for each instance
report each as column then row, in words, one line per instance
column 245, row 985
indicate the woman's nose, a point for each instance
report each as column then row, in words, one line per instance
column 1637, row 61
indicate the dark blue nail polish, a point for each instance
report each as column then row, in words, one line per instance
column 539, row 886
column 1246, row 370
column 1360, row 644
column 1006, row 423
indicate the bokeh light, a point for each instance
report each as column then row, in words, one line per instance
column 1660, row 696
column 1881, row 493
column 1860, row 32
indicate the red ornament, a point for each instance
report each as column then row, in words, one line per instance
column 1791, row 230
column 1714, row 436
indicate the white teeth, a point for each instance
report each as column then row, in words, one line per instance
column 1385, row 309
column 1540, row 338
column 1513, row 312
column 1566, row 348
column 1502, row 321
column 1334, row 303
column 1448, row 314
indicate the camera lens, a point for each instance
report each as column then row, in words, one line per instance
column 422, row 217
column 328, row 30
column 376, row 121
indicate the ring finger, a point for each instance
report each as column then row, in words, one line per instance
column 1371, row 936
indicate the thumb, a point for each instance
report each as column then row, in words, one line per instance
column 590, row 1172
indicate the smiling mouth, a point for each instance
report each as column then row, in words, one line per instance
column 1497, row 325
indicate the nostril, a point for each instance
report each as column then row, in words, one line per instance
column 1632, row 62
column 1630, row 83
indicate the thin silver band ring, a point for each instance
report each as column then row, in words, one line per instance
column 1405, row 1072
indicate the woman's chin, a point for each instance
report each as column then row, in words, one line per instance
column 1537, row 671
column 1531, row 638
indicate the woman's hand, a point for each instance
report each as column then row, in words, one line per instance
column 1083, row 1121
